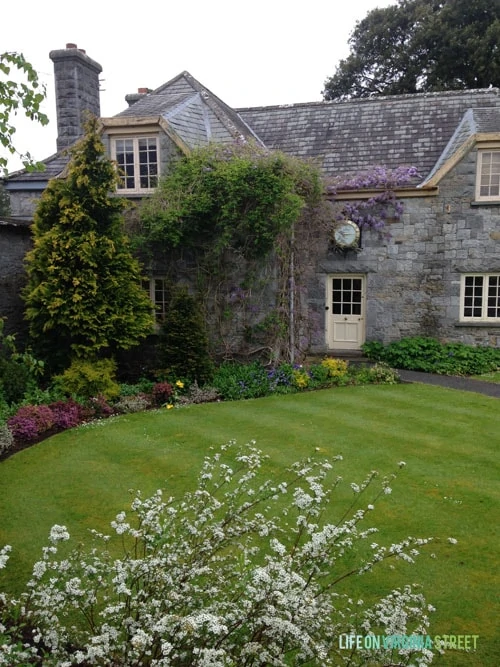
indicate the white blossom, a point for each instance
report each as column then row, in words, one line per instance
column 58, row 534
column 4, row 555
column 196, row 584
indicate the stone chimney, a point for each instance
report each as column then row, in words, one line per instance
column 135, row 97
column 77, row 91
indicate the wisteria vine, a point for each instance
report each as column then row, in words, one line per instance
column 372, row 213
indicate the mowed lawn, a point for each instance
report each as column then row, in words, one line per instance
column 449, row 487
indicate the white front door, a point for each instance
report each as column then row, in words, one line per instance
column 345, row 311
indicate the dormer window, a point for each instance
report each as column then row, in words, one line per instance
column 138, row 164
column 488, row 175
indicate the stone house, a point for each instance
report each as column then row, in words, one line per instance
column 437, row 272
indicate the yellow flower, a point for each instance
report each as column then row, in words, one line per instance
column 179, row 384
column 169, row 406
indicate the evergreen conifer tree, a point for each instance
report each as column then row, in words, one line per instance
column 183, row 346
column 84, row 296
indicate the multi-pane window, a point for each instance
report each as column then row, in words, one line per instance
column 160, row 293
column 347, row 296
column 480, row 297
column 488, row 177
column 137, row 160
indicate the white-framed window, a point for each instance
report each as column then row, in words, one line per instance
column 488, row 175
column 480, row 297
column 160, row 292
column 138, row 163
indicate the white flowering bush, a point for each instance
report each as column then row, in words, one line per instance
column 6, row 438
column 237, row 572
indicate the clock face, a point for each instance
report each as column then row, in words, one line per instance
column 346, row 234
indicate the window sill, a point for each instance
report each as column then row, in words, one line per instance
column 485, row 202
column 494, row 323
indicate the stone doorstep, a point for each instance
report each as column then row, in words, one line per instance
column 354, row 356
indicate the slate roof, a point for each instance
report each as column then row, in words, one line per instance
column 194, row 112
column 353, row 136
column 54, row 166
column 474, row 122
column 421, row 130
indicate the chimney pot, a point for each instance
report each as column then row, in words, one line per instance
column 143, row 91
column 71, row 46
column 82, row 51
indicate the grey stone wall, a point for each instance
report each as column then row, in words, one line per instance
column 413, row 278
column 15, row 241
column 23, row 203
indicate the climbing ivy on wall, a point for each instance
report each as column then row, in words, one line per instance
column 238, row 197
column 251, row 223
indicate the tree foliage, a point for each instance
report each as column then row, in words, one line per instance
column 84, row 295
column 183, row 345
column 421, row 46
column 26, row 95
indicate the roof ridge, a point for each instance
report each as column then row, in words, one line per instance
column 379, row 98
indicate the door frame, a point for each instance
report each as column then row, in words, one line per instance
column 359, row 319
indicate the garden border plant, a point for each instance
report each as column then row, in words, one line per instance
column 420, row 353
column 88, row 391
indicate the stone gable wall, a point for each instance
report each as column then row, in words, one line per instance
column 413, row 278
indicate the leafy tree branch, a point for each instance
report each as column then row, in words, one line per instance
column 25, row 95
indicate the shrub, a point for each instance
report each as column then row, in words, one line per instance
column 15, row 380
column 90, row 378
column 144, row 386
column 335, row 367
column 38, row 396
column 97, row 407
column 281, row 379
column 6, row 438
column 197, row 394
column 31, row 421
column 431, row 356
column 300, row 378
column 235, row 381
column 183, row 345
column 136, row 403
column 238, row 572
column 381, row 373
column 66, row 414
column 17, row 371
column 162, row 392
column 320, row 376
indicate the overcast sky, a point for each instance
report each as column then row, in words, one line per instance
column 259, row 53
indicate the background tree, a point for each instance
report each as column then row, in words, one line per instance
column 84, row 294
column 421, row 46
column 26, row 95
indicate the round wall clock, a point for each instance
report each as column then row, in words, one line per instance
column 346, row 234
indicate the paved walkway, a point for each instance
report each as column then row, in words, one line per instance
column 452, row 382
